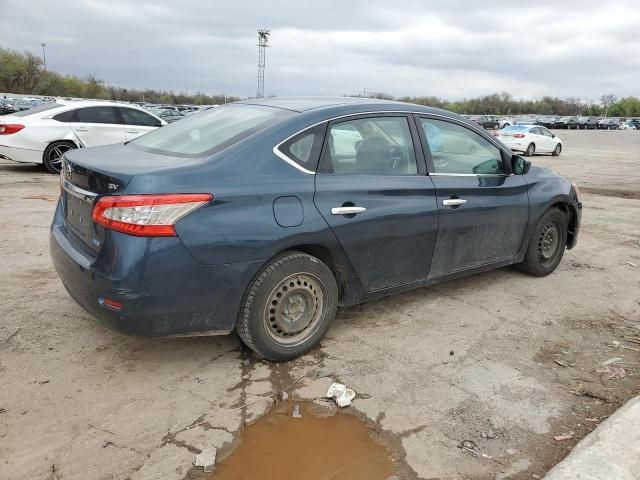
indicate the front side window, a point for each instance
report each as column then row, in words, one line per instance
column 210, row 132
column 458, row 150
column 96, row 115
column 136, row 117
column 372, row 146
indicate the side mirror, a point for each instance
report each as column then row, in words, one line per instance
column 520, row 166
column 553, row 135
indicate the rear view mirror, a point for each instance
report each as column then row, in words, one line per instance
column 519, row 165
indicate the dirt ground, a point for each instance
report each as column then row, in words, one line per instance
column 498, row 363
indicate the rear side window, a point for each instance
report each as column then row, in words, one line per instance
column 304, row 149
column 64, row 116
column 132, row 116
column 458, row 150
column 212, row 131
column 96, row 115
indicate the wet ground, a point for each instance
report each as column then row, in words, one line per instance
column 312, row 444
column 532, row 358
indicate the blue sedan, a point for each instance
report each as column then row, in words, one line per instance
column 264, row 216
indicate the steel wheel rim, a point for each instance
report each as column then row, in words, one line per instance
column 294, row 308
column 55, row 155
column 548, row 242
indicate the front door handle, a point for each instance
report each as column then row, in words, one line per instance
column 82, row 129
column 453, row 202
column 347, row 210
column 133, row 131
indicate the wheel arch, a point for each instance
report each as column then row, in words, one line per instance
column 332, row 260
column 60, row 140
column 572, row 219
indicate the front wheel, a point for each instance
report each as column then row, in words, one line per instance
column 546, row 247
column 52, row 156
column 556, row 151
column 530, row 151
column 288, row 307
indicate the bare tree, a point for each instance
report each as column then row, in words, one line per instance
column 607, row 100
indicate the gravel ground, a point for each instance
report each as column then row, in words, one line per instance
column 500, row 360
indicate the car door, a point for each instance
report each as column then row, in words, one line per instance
column 483, row 210
column 97, row 126
column 137, row 122
column 372, row 190
column 548, row 139
column 539, row 139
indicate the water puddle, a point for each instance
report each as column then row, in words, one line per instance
column 315, row 446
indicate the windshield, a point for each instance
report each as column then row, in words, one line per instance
column 210, row 131
column 38, row 109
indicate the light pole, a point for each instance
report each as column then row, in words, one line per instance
column 44, row 56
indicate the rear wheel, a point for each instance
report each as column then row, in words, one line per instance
column 288, row 307
column 557, row 150
column 546, row 247
column 52, row 156
column 530, row 151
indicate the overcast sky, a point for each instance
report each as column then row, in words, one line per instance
column 447, row 48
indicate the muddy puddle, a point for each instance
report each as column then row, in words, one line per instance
column 320, row 444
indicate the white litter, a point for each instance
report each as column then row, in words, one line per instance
column 341, row 394
column 296, row 412
column 610, row 361
column 206, row 459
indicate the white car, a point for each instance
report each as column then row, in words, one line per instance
column 44, row 133
column 627, row 126
column 505, row 122
column 530, row 139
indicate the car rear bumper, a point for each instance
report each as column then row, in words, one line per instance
column 162, row 290
column 22, row 155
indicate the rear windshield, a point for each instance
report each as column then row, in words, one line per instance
column 38, row 109
column 210, row 131
column 516, row 128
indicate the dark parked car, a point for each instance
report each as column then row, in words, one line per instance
column 609, row 124
column 564, row 122
column 547, row 121
column 489, row 122
column 167, row 115
column 263, row 216
column 591, row 123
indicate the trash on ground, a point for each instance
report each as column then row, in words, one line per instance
column 564, row 364
column 324, row 372
column 342, row 395
column 296, row 412
column 284, row 396
column 206, row 459
column 630, row 263
column 614, row 372
column 562, row 438
column 610, row 361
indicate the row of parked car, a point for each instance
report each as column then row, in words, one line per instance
column 494, row 122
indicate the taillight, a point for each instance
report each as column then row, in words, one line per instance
column 9, row 128
column 518, row 135
column 147, row 215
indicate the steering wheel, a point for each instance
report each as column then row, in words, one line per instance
column 398, row 158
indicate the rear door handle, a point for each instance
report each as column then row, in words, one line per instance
column 133, row 131
column 82, row 129
column 453, row 202
column 347, row 210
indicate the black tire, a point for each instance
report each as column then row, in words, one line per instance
column 506, row 125
column 52, row 156
column 530, row 151
column 547, row 244
column 557, row 151
column 292, row 280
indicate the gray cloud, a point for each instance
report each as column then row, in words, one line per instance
column 448, row 48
